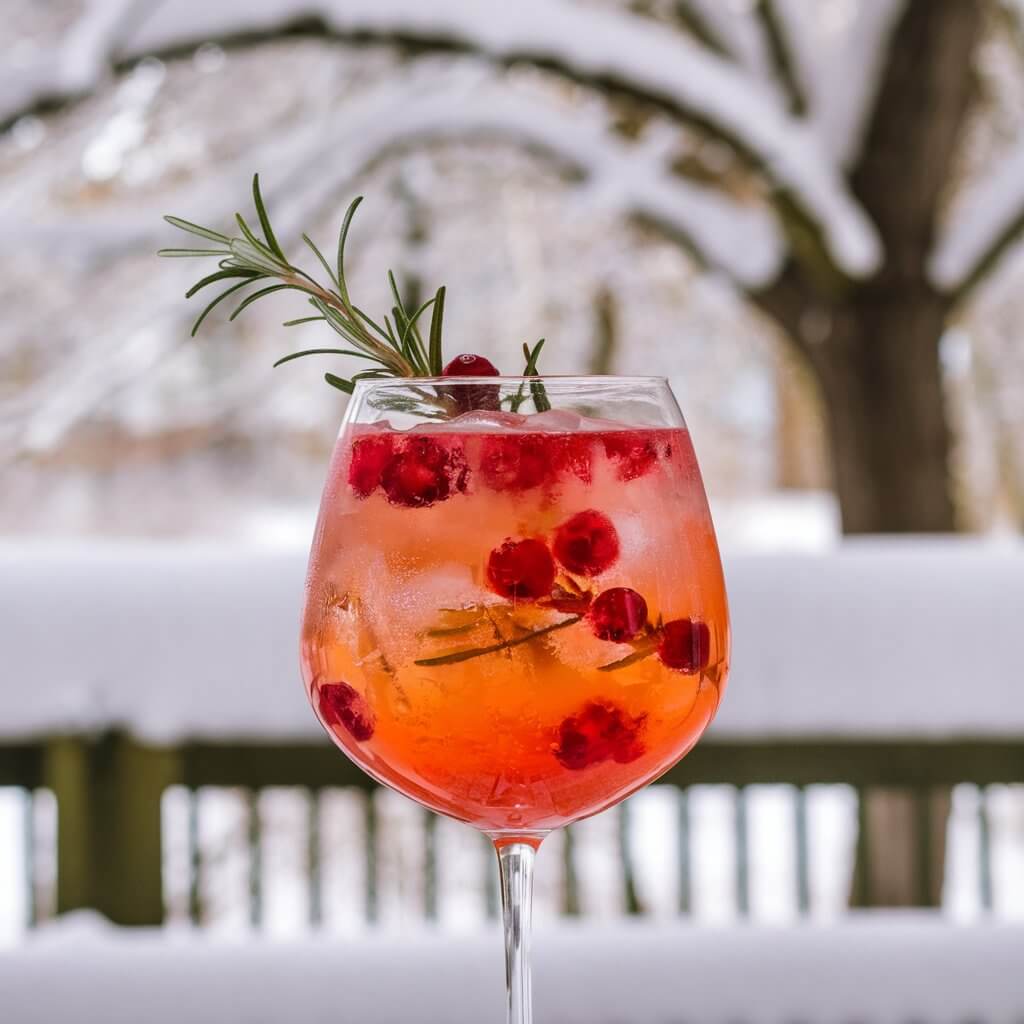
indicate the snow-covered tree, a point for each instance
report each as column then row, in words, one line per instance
column 848, row 120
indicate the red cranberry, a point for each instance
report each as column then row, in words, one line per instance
column 473, row 396
column 341, row 704
column 573, row 453
column 633, row 452
column 514, row 462
column 685, row 645
column 424, row 472
column 369, row 457
column 587, row 544
column 618, row 614
column 521, row 569
column 599, row 732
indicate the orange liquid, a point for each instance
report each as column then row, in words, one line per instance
column 537, row 733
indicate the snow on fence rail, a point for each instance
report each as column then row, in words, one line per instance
column 913, row 639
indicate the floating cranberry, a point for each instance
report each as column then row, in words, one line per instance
column 587, row 543
column 685, row 645
column 424, row 472
column 369, row 457
column 341, row 704
column 633, row 452
column 514, row 462
column 618, row 614
column 601, row 731
column 521, row 569
column 573, row 453
column 473, row 396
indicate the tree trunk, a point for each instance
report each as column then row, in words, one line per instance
column 874, row 348
column 882, row 387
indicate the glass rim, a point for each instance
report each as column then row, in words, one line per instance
column 548, row 379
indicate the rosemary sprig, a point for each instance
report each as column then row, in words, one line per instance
column 630, row 659
column 397, row 349
column 537, row 392
column 504, row 645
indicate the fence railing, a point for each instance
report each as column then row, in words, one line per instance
column 126, row 671
column 110, row 848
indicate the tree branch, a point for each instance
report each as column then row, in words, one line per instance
column 74, row 67
column 783, row 61
column 985, row 223
column 606, row 49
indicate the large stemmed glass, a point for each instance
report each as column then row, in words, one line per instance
column 515, row 612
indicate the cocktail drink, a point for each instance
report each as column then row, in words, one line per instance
column 515, row 620
column 515, row 611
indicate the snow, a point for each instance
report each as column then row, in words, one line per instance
column 590, row 43
column 907, row 639
column 76, row 66
column 988, row 207
column 738, row 33
column 839, row 51
column 919, row 968
column 744, row 241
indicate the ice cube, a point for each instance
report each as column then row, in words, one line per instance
column 485, row 421
column 555, row 421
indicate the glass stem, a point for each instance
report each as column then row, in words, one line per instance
column 515, row 859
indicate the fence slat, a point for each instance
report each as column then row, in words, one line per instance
column 254, row 842
column 741, row 830
column 430, row 865
column 570, row 875
column 31, row 853
column 314, row 859
column 803, row 858
column 985, row 886
column 861, row 888
column 922, row 846
column 195, row 909
column 684, row 855
column 370, row 854
column 629, row 890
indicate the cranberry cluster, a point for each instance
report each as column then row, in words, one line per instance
column 587, row 544
column 520, row 462
column 413, row 472
column 600, row 731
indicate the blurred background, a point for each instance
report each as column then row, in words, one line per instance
column 806, row 213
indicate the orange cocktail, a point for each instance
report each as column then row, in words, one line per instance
column 514, row 623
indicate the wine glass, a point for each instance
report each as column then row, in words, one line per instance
column 515, row 612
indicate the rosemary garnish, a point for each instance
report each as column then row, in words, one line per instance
column 537, row 392
column 396, row 346
column 504, row 645
column 629, row 659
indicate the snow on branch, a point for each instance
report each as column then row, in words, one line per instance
column 743, row 241
column 985, row 221
column 589, row 44
column 729, row 32
column 838, row 53
column 74, row 67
